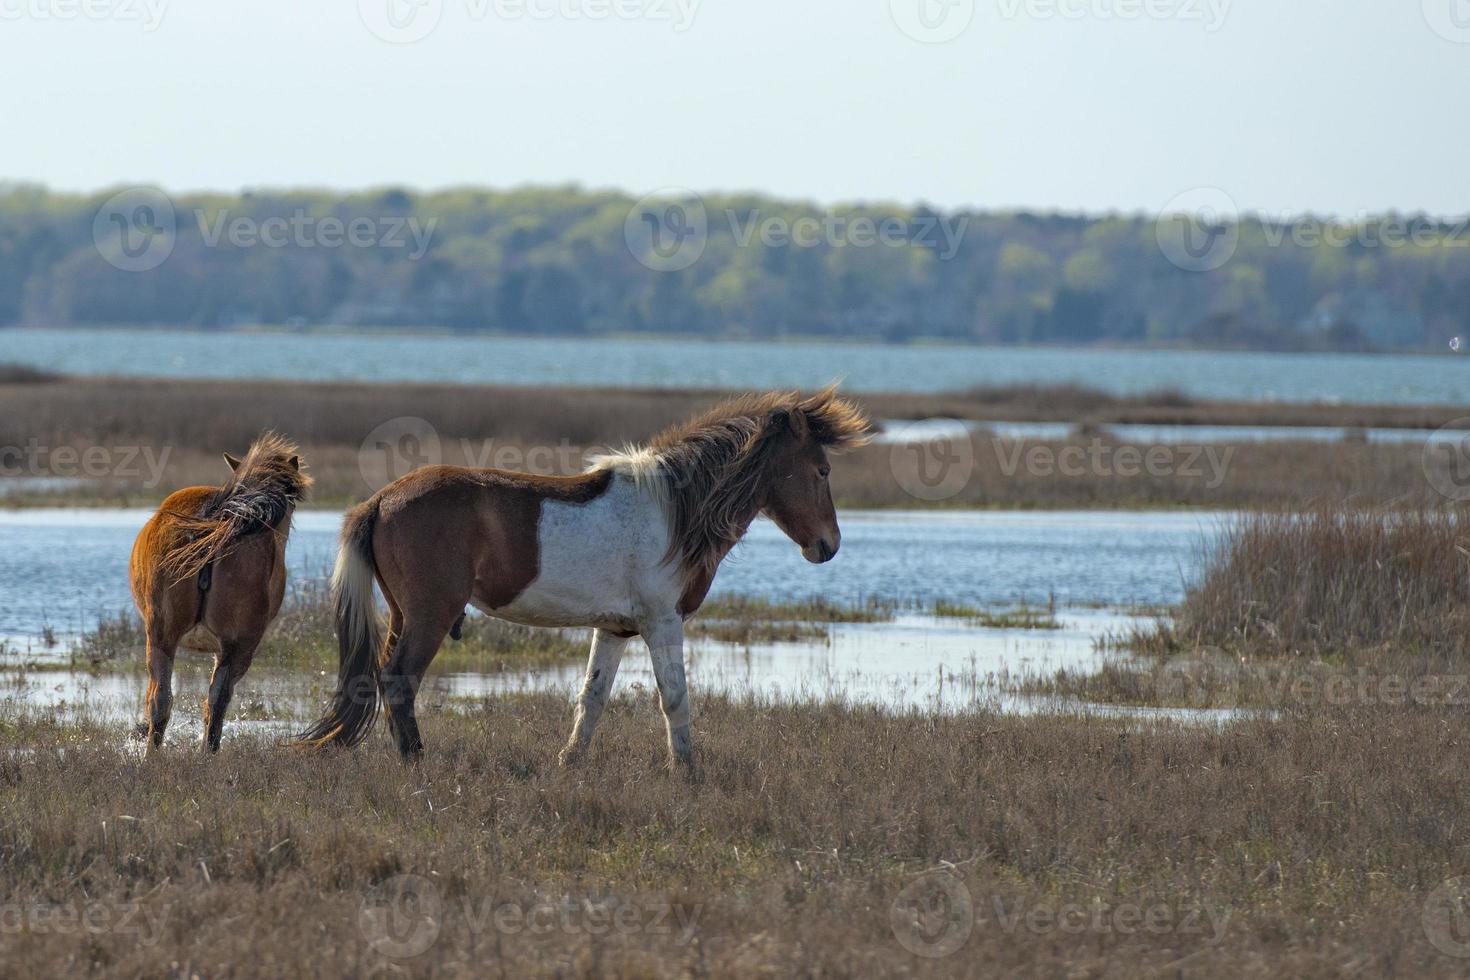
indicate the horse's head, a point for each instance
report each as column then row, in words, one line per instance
column 798, row 492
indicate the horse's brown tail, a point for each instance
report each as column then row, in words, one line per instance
column 354, row 707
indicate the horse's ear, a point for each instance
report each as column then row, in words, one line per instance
column 234, row 462
column 295, row 463
column 796, row 422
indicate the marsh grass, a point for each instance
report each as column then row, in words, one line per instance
column 1312, row 839
column 746, row 619
column 549, row 429
column 1330, row 582
column 1022, row 617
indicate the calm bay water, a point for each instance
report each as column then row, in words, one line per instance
column 67, row 568
column 686, row 363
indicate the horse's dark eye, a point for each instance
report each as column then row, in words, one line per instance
column 824, row 471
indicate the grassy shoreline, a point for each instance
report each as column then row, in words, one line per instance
column 147, row 437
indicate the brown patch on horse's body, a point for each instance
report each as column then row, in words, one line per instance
column 217, row 597
column 470, row 532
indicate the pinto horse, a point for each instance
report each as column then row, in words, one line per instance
column 209, row 572
column 628, row 547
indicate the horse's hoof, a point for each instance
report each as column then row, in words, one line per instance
column 569, row 758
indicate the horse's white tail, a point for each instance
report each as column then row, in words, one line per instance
column 354, row 707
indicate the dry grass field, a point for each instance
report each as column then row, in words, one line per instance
column 816, row 840
column 135, row 440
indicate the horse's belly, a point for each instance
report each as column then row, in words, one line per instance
column 546, row 605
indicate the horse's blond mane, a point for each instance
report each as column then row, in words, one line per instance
column 710, row 473
column 268, row 482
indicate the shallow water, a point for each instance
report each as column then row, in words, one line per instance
column 724, row 364
column 934, row 430
column 67, row 568
column 914, row 663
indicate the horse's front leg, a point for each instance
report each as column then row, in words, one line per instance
column 602, row 668
column 666, row 646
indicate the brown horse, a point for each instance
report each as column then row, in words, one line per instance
column 629, row 547
column 209, row 573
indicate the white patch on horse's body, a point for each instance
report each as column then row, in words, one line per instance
column 601, row 563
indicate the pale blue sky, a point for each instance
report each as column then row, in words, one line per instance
column 1337, row 106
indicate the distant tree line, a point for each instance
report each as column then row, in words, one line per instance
column 566, row 261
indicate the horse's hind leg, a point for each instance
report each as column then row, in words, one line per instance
column 160, row 688
column 409, row 656
column 602, row 668
column 231, row 664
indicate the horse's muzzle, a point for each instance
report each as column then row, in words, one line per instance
column 822, row 551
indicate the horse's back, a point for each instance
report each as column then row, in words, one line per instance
column 487, row 535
